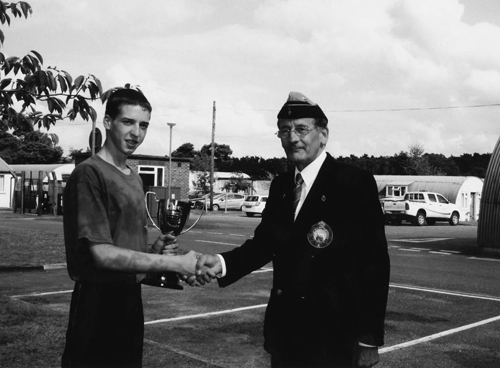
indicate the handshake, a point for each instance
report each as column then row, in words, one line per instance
column 193, row 268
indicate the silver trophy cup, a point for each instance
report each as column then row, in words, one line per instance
column 171, row 217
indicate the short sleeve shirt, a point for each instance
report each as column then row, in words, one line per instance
column 102, row 205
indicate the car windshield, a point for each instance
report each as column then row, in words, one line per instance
column 252, row 198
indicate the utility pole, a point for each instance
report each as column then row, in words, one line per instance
column 171, row 125
column 212, row 160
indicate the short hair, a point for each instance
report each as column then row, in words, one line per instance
column 126, row 96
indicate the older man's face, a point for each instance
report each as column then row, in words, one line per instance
column 302, row 150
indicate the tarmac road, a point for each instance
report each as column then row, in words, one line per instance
column 443, row 311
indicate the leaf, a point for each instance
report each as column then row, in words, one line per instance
column 62, row 83
column 39, row 57
column 50, row 104
column 2, row 37
column 93, row 114
column 26, row 8
column 42, row 78
column 4, row 83
column 76, row 107
column 78, row 82
column 14, row 10
column 69, row 78
column 12, row 59
column 52, row 81
column 99, row 85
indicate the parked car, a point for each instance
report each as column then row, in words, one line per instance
column 199, row 202
column 420, row 208
column 254, row 205
column 222, row 201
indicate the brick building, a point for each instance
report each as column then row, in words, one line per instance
column 154, row 171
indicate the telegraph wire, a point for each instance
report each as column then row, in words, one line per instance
column 331, row 111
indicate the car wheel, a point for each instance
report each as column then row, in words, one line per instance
column 215, row 207
column 250, row 214
column 420, row 219
column 454, row 219
column 431, row 222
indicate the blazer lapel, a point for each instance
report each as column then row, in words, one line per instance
column 317, row 198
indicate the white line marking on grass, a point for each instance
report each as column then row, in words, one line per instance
column 438, row 335
column 214, row 242
column 208, row 232
column 244, row 236
column 197, row 357
column 441, row 253
column 445, row 292
column 264, row 270
column 450, row 251
column 425, row 240
column 485, row 259
column 42, row 294
column 410, row 250
column 205, row 314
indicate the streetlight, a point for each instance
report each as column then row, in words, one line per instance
column 171, row 125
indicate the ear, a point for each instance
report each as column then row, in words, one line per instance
column 324, row 136
column 107, row 122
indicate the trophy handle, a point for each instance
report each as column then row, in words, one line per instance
column 147, row 210
column 198, row 219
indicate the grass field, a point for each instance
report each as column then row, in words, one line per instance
column 32, row 335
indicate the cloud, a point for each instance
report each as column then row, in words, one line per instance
column 246, row 56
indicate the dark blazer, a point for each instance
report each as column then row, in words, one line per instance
column 326, row 297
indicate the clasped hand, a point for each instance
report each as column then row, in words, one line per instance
column 203, row 268
column 208, row 267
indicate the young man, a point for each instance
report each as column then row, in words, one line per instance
column 107, row 252
column 323, row 229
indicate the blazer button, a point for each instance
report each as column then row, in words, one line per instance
column 279, row 292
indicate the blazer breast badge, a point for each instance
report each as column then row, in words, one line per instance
column 320, row 235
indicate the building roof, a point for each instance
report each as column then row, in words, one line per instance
column 5, row 168
column 59, row 169
column 448, row 186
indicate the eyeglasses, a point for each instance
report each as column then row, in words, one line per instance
column 301, row 132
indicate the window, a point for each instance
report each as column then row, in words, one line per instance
column 2, row 183
column 396, row 190
column 152, row 175
column 441, row 199
column 432, row 198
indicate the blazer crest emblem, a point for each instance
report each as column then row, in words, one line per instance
column 320, row 235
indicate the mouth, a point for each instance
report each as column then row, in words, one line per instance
column 131, row 142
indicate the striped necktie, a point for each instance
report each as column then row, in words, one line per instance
column 297, row 191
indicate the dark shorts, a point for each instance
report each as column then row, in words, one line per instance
column 106, row 326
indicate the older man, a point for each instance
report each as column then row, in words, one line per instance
column 323, row 230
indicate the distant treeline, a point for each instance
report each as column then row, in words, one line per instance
column 400, row 164
column 434, row 164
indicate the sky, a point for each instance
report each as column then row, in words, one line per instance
column 388, row 74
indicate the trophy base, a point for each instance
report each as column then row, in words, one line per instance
column 166, row 280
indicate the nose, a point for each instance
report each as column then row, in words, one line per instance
column 294, row 137
column 135, row 130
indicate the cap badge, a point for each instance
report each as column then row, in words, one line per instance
column 320, row 235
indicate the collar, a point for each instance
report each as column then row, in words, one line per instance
column 311, row 171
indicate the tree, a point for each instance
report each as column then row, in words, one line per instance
column 30, row 148
column 236, row 184
column 24, row 82
column 417, row 163
column 222, row 155
column 185, row 150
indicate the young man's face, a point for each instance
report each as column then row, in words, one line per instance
column 128, row 129
column 301, row 151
